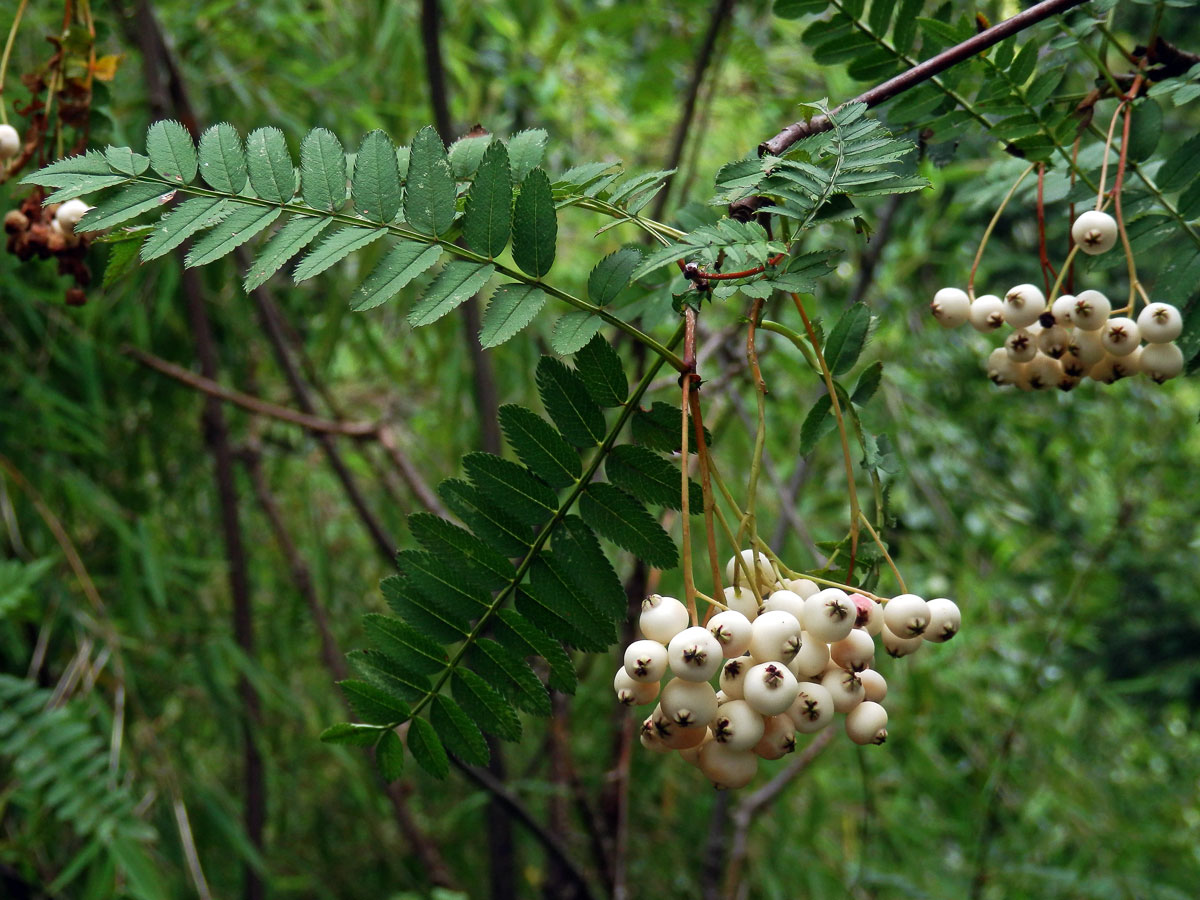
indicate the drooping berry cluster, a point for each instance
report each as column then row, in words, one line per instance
column 1060, row 342
column 784, row 667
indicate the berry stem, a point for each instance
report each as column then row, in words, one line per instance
column 740, row 569
column 987, row 232
column 706, row 489
column 1066, row 267
column 1108, row 140
column 689, row 356
column 835, row 404
column 1134, row 287
column 816, row 578
column 1043, row 255
column 883, row 549
column 760, row 435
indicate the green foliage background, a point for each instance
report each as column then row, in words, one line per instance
column 1051, row 750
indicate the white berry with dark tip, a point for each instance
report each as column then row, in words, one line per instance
column 944, row 620
column 829, row 615
column 662, row 618
column 846, row 688
column 1120, row 336
column 1095, row 232
column 10, row 142
column 1160, row 323
column 770, row 688
column 987, row 313
column 694, row 654
column 951, row 307
column 732, row 631
column 1023, row 304
column 907, row 615
column 812, row 709
column 646, row 661
column 1161, row 362
column 867, row 723
column 1091, row 310
column 737, row 725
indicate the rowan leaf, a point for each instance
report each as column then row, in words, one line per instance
column 181, row 223
column 535, row 226
column 230, row 233
column 372, row 704
column 571, row 407
column 389, row 756
column 612, row 274
column 539, row 446
column 512, row 307
column 483, row 703
column 404, row 262
column 599, row 368
column 650, row 477
column 294, row 236
column 269, row 164
column 427, row 749
column 334, row 248
column 454, row 285
column 487, row 221
column 323, row 170
column 172, row 152
column 511, row 487
column 375, row 186
column 395, row 637
column 223, row 159
column 429, row 190
column 458, row 733
column 129, row 202
column 622, row 519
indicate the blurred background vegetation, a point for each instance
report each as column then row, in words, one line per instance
column 1050, row 751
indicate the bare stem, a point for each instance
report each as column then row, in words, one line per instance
column 987, row 232
column 883, row 550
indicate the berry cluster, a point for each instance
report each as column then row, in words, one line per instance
column 783, row 667
column 47, row 231
column 1059, row 342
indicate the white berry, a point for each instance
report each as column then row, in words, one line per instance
column 856, row 651
column 631, row 692
column 874, row 685
column 846, row 688
column 732, row 631
column 10, row 142
column 662, row 618
column 733, row 677
column 987, row 313
column 725, row 767
column 812, row 658
column 775, row 636
column 1159, row 323
column 944, row 620
column 1062, row 309
column 756, row 564
column 867, row 723
column 1095, row 232
column 1021, row 346
column 1120, row 336
column 770, row 688
column 906, row 615
column 950, row 307
column 1044, row 372
column 801, row 586
column 688, row 703
column 778, row 740
column 829, row 615
column 1023, row 304
column 1091, row 310
column 787, row 601
column 737, row 725
column 742, row 599
column 897, row 646
column 1161, row 361
column 813, row 708
column 646, row 661
column 69, row 214
column 694, row 654
column 1000, row 367
column 1054, row 341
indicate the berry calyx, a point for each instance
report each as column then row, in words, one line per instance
column 867, row 723
column 1095, row 232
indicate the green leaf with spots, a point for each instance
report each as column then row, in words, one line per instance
column 223, row 159
column 487, row 221
column 429, row 190
column 535, row 226
column 172, row 152
column 323, row 170
column 375, row 186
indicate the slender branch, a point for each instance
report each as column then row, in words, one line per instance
column 920, row 73
column 685, row 408
column 706, row 489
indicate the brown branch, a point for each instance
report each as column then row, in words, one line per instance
column 920, row 73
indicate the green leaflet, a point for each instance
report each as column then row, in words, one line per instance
column 817, row 424
column 181, row 223
column 430, row 190
column 272, row 175
column 426, row 749
column 323, row 170
column 522, row 637
column 553, row 602
column 454, row 285
column 444, row 587
column 622, row 519
column 172, row 153
column 539, row 446
column 129, row 202
column 389, row 756
column 351, row 734
column 511, row 487
column 294, row 236
column 599, row 368
column 83, row 185
column 376, row 183
column 535, row 228
column 460, row 735
column 404, row 262
column 69, row 170
column 230, row 233
column 223, row 159
column 525, row 151
column 487, row 221
column 611, row 274
column 586, row 564
column 389, row 674
column 334, row 248
column 482, row 703
column 650, row 478
column 478, row 563
column 660, row 428
column 847, row 339
column 868, row 383
column 512, row 307
column 432, row 620
column 125, row 161
column 510, row 674
column 374, row 705
column 566, row 398
column 465, row 154
column 492, row 523
column 122, row 259
column 395, row 637
column 573, row 330
column 1181, row 166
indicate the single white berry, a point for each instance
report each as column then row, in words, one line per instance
column 812, row 658
column 631, row 692
column 778, row 740
column 867, row 723
column 846, row 688
column 801, row 586
column 733, row 677
column 987, row 313
column 1023, row 304
column 1106, row 370
column 742, row 599
column 813, row 708
column 906, row 615
column 737, row 725
column 1120, row 336
column 1000, row 367
column 897, row 646
column 694, row 654
column 1160, row 323
column 69, row 214
column 732, row 631
column 688, row 703
column 1161, row 362
column 787, row 601
column 1044, row 372
column 1054, row 341
column 756, row 564
column 1086, row 346
column 725, row 767
column 856, row 651
column 1062, row 309
column 1073, row 367
column 870, row 614
column 662, row 618
column 951, row 307
column 10, row 142
column 679, row 738
column 1021, row 346
column 829, row 615
column 944, row 620
column 650, row 736
column 874, row 685
column 1095, row 232
column 770, row 688
column 646, row 661
column 1091, row 310
column 775, row 636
